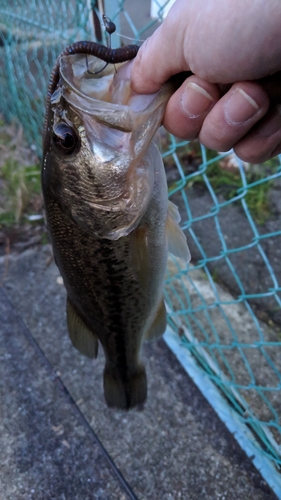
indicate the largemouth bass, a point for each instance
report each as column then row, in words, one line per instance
column 108, row 217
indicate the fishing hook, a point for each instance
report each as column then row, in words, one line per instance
column 110, row 28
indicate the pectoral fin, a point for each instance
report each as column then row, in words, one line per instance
column 158, row 326
column 81, row 337
column 177, row 243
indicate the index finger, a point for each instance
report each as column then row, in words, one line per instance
column 160, row 57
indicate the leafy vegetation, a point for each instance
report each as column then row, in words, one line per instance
column 21, row 205
column 231, row 186
column 227, row 180
column 20, row 193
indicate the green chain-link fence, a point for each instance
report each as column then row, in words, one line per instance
column 225, row 306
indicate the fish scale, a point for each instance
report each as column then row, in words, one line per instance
column 95, row 262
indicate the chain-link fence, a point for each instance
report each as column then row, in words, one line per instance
column 225, row 306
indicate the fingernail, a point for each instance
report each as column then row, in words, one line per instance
column 195, row 100
column 272, row 124
column 240, row 107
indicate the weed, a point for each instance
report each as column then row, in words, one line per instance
column 228, row 182
column 230, row 185
column 20, row 191
column 20, row 184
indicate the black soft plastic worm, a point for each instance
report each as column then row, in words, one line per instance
column 106, row 54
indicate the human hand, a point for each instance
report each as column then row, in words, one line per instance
column 234, row 51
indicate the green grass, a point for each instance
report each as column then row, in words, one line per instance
column 20, row 191
column 229, row 183
column 20, row 183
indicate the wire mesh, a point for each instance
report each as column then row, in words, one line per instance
column 225, row 306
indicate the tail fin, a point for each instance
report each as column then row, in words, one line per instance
column 125, row 394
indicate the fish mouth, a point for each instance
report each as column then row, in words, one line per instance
column 106, row 96
column 119, row 124
column 115, row 172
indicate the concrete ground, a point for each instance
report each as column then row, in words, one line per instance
column 60, row 441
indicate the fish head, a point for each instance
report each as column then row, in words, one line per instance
column 95, row 160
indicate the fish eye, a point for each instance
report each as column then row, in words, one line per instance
column 65, row 138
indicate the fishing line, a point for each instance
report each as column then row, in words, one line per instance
column 128, row 37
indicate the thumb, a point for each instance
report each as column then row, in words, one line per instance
column 160, row 57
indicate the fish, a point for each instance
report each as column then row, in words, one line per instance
column 108, row 216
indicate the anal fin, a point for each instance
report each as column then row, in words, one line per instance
column 82, row 338
column 177, row 243
column 159, row 324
